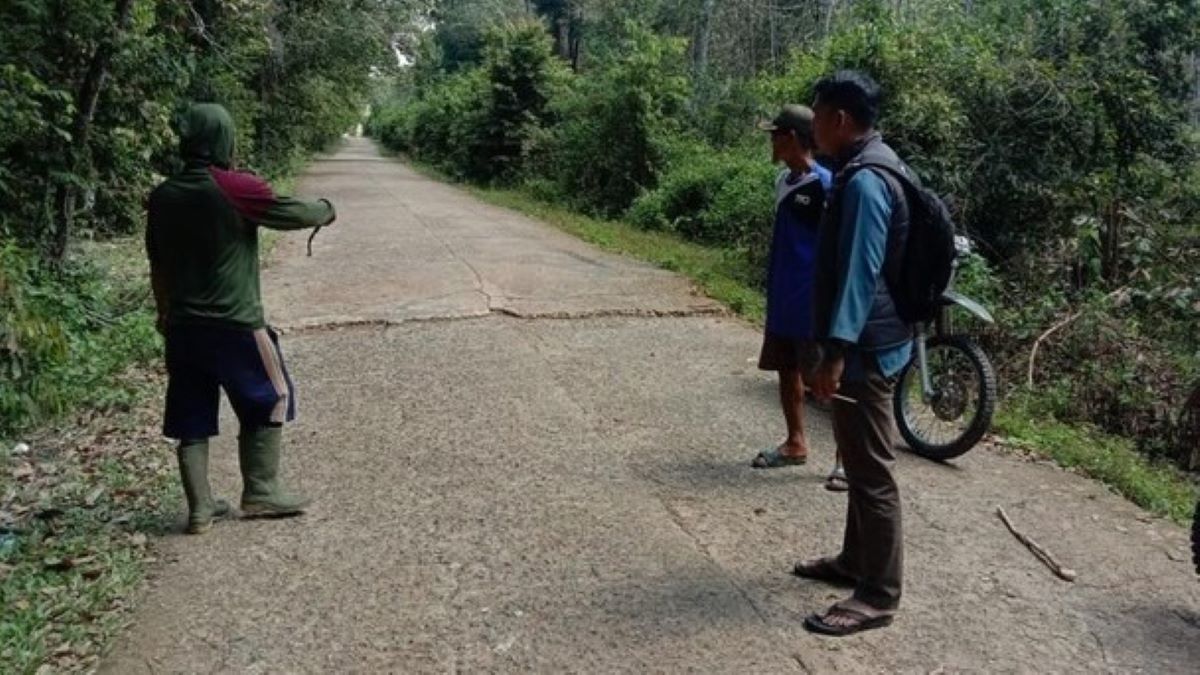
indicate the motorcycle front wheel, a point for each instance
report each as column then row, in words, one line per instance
column 955, row 417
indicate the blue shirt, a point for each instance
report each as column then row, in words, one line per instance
column 866, row 213
column 791, row 272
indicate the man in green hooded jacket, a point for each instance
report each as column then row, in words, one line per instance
column 202, row 241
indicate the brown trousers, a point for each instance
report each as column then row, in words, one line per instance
column 865, row 433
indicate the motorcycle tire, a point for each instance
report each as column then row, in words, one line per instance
column 985, row 379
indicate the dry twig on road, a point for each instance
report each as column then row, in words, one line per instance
column 1064, row 573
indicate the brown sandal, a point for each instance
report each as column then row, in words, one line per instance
column 825, row 570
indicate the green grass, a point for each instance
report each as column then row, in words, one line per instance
column 1158, row 488
column 77, row 517
column 76, row 509
column 721, row 273
column 81, row 331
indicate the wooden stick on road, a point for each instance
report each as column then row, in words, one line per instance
column 1064, row 573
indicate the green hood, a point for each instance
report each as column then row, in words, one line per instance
column 206, row 135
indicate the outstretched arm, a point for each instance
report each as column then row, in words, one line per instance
column 258, row 203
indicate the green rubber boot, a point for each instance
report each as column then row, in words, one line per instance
column 262, row 495
column 193, row 469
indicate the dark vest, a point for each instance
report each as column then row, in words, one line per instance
column 884, row 327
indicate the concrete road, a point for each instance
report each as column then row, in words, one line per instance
column 532, row 456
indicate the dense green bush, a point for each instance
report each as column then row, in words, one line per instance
column 615, row 126
column 712, row 197
column 65, row 332
column 481, row 123
column 445, row 127
column 684, row 194
column 523, row 76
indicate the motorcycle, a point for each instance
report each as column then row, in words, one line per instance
column 946, row 394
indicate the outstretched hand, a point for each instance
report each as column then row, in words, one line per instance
column 332, row 214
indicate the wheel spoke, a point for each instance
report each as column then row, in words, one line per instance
column 956, row 398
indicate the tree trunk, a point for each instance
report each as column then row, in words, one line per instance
column 1195, row 88
column 576, row 23
column 1113, row 234
column 830, row 9
column 562, row 36
column 774, row 36
column 86, row 102
column 268, row 78
column 703, row 39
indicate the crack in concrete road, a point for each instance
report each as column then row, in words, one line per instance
column 351, row 323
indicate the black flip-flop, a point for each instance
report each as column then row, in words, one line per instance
column 815, row 623
column 824, row 570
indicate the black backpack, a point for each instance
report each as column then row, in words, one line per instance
column 919, row 265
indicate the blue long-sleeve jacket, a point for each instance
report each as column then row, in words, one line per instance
column 865, row 215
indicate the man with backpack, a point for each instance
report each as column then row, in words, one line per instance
column 864, row 321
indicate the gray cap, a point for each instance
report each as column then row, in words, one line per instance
column 791, row 117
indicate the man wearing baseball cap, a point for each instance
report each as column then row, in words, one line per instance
column 788, row 349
